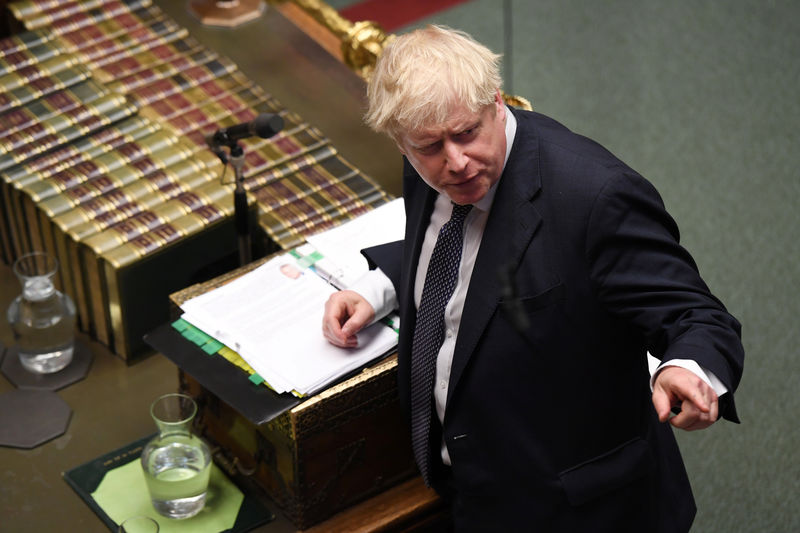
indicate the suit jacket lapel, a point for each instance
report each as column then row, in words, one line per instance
column 419, row 199
column 511, row 225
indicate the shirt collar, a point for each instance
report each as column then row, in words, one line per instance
column 485, row 203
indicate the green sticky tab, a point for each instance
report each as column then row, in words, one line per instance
column 189, row 333
column 309, row 259
column 202, row 337
column 389, row 322
column 195, row 335
column 212, row 346
column 256, row 379
column 180, row 324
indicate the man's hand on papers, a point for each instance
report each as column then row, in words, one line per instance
column 346, row 313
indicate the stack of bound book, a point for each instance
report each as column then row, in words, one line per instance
column 105, row 106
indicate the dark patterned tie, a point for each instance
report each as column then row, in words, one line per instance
column 440, row 281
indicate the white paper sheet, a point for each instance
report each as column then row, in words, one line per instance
column 272, row 317
column 341, row 246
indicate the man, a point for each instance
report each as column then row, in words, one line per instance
column 537, row 411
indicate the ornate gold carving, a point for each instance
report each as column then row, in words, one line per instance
column 517, row 101
column 362, row 42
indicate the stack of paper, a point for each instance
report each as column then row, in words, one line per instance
column 272, row 316
column 340, row 247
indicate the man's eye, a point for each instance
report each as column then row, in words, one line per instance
column 429, row 148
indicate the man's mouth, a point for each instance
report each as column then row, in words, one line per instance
column 465, row 181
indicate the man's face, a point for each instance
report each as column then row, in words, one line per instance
column 463, row 157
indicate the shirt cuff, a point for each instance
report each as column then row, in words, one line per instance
column 692, row 366
column 378, row 290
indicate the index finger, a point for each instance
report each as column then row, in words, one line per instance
column 335, row 316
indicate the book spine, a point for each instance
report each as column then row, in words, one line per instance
column 285, row 168
column 19, row 177
column 159, row 53
column 139, row 169
column 283, row 187
column 22, row 41
column 30, row 216
column 137, row 252
column 6, row 254
column 292, row 236
column 316, row 195
column 143, row 196
column 99, row 209
column 49, row 105
column 266, row 158
column 137, row 40
column 145, row 220
column 209, row 91
column 299, row 211
column 173, row 66
column 103, row 163
column 67, row 118
column 29, row 74
column 166, row 234
column 117, row 33
column 80, row 19
column 119, row 199
column 376, row 199
column 85, row 253
column 40, row 87
column 22, row 227
column 48, row 16
column 196, row 122
column 191, row 77
column 139, row 196
column 65, row 135
column 26, row 57
column 178, row 109
column 23, row 9
column 10, row 237
column 45, row 165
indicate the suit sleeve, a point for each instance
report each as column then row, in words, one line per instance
column 643, row 275
column 388, row 257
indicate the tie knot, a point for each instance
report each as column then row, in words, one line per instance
column 460, row 212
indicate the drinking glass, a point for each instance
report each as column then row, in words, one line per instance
column 176, row 463
column 42, row 318
column 138, row 524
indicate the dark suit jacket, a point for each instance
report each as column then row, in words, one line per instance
column 551, row 427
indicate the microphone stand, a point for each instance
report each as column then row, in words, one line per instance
column 265, row 126
column 240, row 208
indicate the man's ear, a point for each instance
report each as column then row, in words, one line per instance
column 499, row 103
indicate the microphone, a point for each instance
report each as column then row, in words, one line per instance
column 264, row 125
column 516, row 314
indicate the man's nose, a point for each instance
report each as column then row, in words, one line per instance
column 456, row 158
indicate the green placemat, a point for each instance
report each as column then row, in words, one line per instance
column 113, row 487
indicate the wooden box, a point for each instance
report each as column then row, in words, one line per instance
column 312, row 457
column 322, row 456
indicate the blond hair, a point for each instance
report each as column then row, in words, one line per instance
column 422, row 75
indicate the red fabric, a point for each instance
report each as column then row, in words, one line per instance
column 393, row 14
